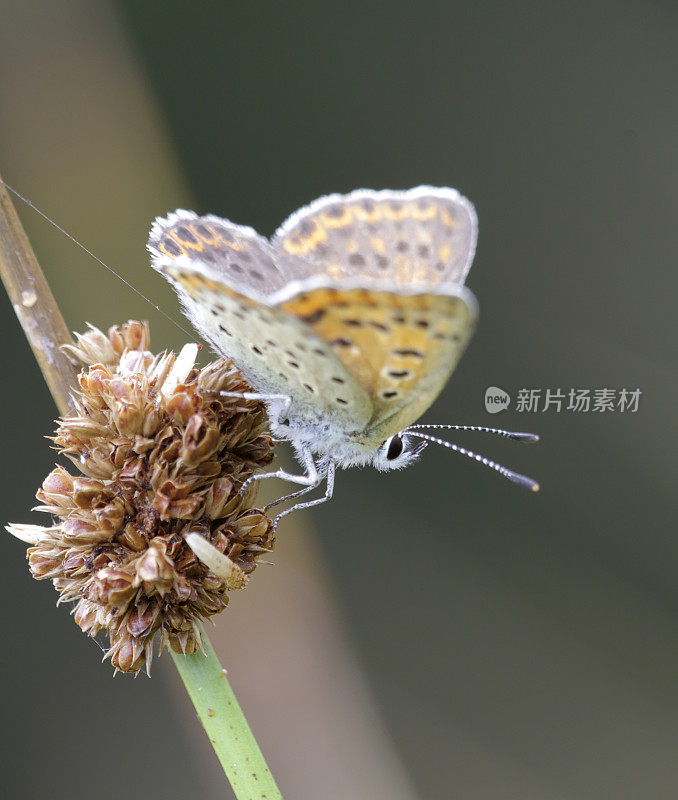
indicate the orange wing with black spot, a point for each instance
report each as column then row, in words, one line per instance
column 401, row 348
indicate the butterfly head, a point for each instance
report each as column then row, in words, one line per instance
column 398, row 451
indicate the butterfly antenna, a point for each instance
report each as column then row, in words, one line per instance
column 520, row 437
column 90, row 253
column 516, row 477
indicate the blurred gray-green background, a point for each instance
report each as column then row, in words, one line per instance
column 513, row 645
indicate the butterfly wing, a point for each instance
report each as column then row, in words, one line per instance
column 223, row 274
column 378, row 275
column 234, row 254
column 421, row 237
column 401, row 348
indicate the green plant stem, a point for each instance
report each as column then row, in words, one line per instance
column 226, row 726
column 203, row 677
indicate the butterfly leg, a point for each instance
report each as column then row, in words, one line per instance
column 311, row 479
column 265, row 398
column 287, row 497
column 329, row 491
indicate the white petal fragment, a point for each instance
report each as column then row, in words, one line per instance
column 179, row 372
column 161, row 367
column 220, row 564
column 31, row 534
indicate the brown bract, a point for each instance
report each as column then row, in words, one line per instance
column 161, row 458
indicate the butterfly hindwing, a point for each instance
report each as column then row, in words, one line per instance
column 401, row 348
column 421, row 237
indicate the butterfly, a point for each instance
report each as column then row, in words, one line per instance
column 347, row 323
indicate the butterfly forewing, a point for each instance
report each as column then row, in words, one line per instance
column 276, row 352
column 234, row 254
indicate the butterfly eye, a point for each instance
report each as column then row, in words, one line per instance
column 395, row 448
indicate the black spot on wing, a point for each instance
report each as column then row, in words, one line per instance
column 171, row 247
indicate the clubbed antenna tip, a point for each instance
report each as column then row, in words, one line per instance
column 516, row 477
column 522, row 480
column 524, row 437
column 520, row 437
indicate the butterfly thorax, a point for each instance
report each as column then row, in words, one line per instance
column 327, row 441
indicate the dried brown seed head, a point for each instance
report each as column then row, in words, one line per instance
column 153, row 532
